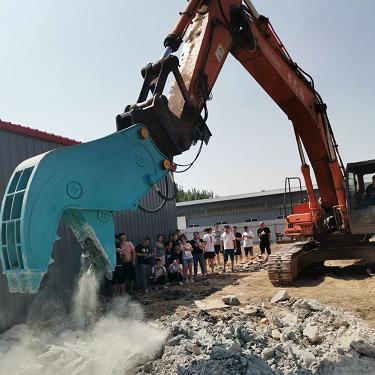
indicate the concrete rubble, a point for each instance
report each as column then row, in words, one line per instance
column 295, row 336
column 253, row 264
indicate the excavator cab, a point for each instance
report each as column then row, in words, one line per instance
column 360, row 186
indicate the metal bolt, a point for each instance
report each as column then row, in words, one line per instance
column 143, row 133
column 166, row 164
column 74, row 189
column 103, row 216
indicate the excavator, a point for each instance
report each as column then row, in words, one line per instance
column 81, row 183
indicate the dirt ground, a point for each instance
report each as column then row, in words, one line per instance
column 341, row 283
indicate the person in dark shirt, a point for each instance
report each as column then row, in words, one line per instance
column 175, row 248
column 370, row 192
column 237, row 250
column 143, row 252
column 168, row 247
column 198, row 253
column 264, row 235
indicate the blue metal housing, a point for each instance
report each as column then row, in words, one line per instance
column 85, row 183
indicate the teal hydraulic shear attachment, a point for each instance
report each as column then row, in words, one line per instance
column 84, row 183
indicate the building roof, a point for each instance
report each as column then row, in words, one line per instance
column 238, row 196
column 34, row 133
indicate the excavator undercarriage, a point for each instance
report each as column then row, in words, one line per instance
column 294, row 258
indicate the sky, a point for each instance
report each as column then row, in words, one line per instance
column 69, row 67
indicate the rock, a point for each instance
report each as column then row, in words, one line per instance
column 234, row 349
column 346, row 342
column 302, row 313
column 227, row 333
column 312, row 333
column 276, row 321
column 195, row 349
column 253, row 311
column 249, row 311
column 175, row 340
column 313, row 305
column 363, row 347
column 267, row 305
column 281, row 295
column 148, row 367
column 307, row 357
column 271, row 361
column 236, row 282
column 255, row 366
column 338, row 323
column 231, row 299
column 300, row 353
column 264, row 321
column 243, row 334
column 219, row 352
column 290, row 319
column 267, row 353
column 288, row 334
column 275, row 334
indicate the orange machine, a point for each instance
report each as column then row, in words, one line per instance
column 210, row 30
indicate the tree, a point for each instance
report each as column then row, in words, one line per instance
column 193, row 194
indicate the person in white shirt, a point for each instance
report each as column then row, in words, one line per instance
column 228, row 243
column 159, row 273
column 175, row 272
column 209, row 251
column 216, row 235
column 247, row 238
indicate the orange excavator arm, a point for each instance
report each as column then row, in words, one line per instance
column 210, row 30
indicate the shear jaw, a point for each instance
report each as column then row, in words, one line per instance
column 83, row 184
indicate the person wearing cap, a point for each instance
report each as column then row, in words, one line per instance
column 264, row 235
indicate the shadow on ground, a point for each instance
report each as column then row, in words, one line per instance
column 165, row 302
column 312, row 278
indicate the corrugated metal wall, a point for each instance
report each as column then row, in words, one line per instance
column 57, row 285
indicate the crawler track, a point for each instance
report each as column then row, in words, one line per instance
column 282, row 267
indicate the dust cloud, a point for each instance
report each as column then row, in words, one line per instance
column 87, row 342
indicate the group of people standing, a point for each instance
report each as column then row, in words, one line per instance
column 231, row 242
column 176, row 259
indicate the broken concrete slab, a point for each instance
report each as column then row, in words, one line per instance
column 281, row 295
column 208, row 305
